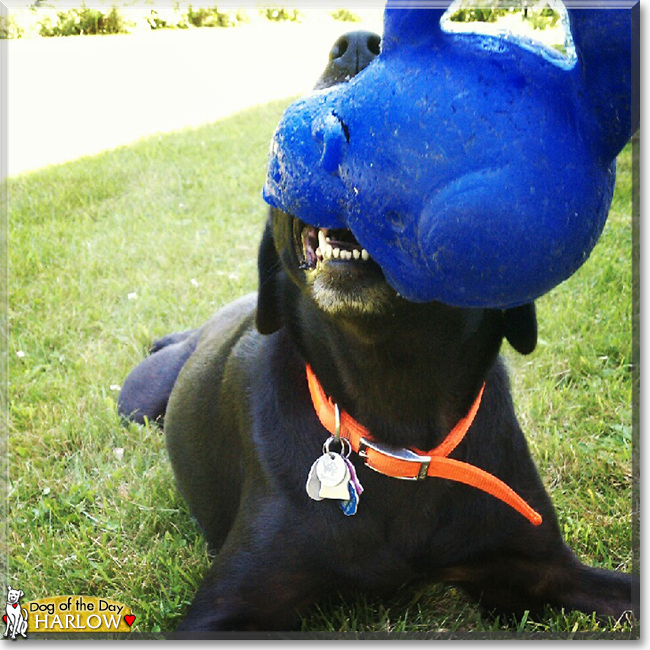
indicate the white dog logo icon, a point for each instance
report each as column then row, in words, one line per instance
column 16, row 616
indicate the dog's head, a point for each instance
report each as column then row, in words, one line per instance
column 329, row 265
column 330, row 268
column 14, row 595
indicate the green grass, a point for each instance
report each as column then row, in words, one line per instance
column 110, row 252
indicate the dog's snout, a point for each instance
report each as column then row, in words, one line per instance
column 350, row 54
column 355, row 50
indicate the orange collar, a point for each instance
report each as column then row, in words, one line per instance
column 414, row 464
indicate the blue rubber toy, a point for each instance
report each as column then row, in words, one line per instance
column 476, row 170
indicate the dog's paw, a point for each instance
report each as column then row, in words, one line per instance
column 170, row 339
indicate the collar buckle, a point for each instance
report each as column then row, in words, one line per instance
column 394, row 453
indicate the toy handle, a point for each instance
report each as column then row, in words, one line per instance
column 409, row 25
column 608, row 66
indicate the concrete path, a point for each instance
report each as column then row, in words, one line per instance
column 69, row 97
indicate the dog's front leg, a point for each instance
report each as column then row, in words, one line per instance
column 512, row 583
column 267, row 571
column 240, row 595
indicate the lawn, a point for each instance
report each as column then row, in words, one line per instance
column 109, row 252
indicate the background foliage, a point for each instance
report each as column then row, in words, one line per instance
column 539, row 13
column 47, row 18
column 50, row 19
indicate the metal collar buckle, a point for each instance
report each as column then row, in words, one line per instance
column 397, row 454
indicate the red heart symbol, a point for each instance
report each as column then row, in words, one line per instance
column 4, row 618
column 15, row 605
column 129, row 618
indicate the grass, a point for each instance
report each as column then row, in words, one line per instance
column 110, row 252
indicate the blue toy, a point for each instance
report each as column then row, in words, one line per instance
column 476, row 170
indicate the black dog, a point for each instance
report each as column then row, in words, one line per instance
column 243, row 433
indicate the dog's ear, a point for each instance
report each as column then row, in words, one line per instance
column 21, row 593
column 269, row 315
column 520, row 327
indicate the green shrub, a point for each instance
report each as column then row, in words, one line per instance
column 45, row 19
column 155, row 20
column 547, row 17
column 281, row 13
column 345, row 15
column 21, row 22
column 213, row 17
column 491, row 11
column 85, row 20
column 467, row 13
column 9, row 28
column 50, row 20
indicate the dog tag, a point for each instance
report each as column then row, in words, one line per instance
column 331, row 469
column 313, row 484
column 333, row 476
column 328, row 478
column 349, row 507
column 353, row 476
column 338, row 491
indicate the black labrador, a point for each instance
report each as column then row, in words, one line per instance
column 243, row 433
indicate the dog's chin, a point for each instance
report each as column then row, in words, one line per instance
column 340, row 275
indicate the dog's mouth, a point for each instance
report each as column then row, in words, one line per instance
column 341, row 276
column 320, row 246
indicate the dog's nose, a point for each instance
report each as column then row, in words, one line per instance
column 353, row 51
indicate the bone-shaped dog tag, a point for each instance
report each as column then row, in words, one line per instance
column 349, row 507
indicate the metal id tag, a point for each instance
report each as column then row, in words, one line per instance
column 328, row 478
column 313, row 483
column 331, row 475
column 331, row 469
column 338, row 491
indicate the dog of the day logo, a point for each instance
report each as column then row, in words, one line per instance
column 66, row 614
column 15, row 616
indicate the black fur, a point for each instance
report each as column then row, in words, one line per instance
column 242, row 435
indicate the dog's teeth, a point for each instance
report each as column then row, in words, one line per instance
column 326, row 251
